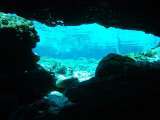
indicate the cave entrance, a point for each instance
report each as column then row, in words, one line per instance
column 76, row 50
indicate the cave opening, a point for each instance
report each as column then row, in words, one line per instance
column 76, row 50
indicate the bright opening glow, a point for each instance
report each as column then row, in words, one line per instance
column 90, row 41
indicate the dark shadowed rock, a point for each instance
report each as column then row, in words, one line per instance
column 129, row 14
column 122, row 87
column 47, row 108
column 63, row 84
column 22, row 80
column 112, row 64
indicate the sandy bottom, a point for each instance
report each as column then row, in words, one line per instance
column 80, row 68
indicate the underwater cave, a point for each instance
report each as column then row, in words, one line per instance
column 81, row 47
column 79, row 59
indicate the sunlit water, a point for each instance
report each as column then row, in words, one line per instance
column 79, row 48
column 90, row 41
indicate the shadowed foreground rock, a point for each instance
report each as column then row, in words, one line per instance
column 120, row 88
column 22, row 80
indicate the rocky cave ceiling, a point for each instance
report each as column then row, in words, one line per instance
column 130, row 14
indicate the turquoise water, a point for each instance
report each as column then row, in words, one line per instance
column 74, row 51
column 90, row 41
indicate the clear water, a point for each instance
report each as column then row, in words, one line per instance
column 74, row 51
column 90, row 41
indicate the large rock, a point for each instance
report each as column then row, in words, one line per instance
column 18, row 37
column 22, row 80
column 121, row 87
column 112, row 64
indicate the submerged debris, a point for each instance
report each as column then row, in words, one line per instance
column 151, row 55
column 82, row 69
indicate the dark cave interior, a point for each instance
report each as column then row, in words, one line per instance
column 131, row 14
column 121, row 86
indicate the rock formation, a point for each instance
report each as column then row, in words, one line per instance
column 131, row 14
column 120, row 87
column 22, row 80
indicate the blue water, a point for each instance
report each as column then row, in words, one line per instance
column 90, row 41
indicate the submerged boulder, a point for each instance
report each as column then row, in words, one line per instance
column 120, row 87
column 112, row 64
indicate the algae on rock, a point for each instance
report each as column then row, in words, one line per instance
column 22, row 27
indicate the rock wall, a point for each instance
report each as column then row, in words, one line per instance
column 22, row 80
